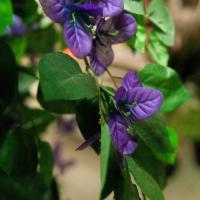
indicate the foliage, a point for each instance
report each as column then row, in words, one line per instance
column 123, row 124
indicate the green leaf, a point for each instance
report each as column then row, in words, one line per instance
column 154, row 134
column 28, row 12
column 125, row 189
column 170, row 157
column 34, row 121
column 157, row 50
column 5, row 15
column 18, row 46
column 18, row 154
column 168, row 82
column 46, row 162
column 134, row 6
column 25, row 80
column 87, row 117
column 61, row 79
column 137, row 42
column 144, row 156
column 105, row 153
column 145, row 181
column 25, row 187
column 159, row 15
column 46, row 44
column 58, row 106
column 8, row 75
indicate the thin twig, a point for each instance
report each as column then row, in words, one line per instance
column 112, row 78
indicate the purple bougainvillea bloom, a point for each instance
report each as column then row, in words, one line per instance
column 122, row 140
column 140, row 102
column 18, row 28
column 112, row 31
column 78, row 20
column 110, row 7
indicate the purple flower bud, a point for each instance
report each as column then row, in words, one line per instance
column 120, row 28
column 114, row 30
column 122, row 140
column 101, row 57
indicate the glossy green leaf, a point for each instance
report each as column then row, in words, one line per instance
column 5, row 15
column 125, row 189
column 61, row 79
column 168, row 82
column 159, row 15
column 154, row 134
column 145, row 181
column 46, row 162
column 134, row 6
column 170, row 157
column 149, row 162
column 105, row 153
column 57, row 106
column 157, row 50
column 137, row 42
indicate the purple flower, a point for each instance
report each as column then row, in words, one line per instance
column 134, row 102
column 137, row 101
column 123, row 141
column 115, row 30
column 110, row 7
column 18, row 28
column 78, row 21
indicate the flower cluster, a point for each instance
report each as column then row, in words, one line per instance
column 91, row 27
column 133, row 102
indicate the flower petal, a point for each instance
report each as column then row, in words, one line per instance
column 148, row 102
column 122, row 28
column 120, row 94
column 90, row 9
column 131, row 81
column 56, row 10
column 110, row 7
column 101, row 57
column 78, row 39
column 123, row 142
column 89, row 142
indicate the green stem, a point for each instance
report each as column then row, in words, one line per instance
column 112, row 78
column 87, row 64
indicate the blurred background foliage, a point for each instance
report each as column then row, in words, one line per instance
column 19, row 74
